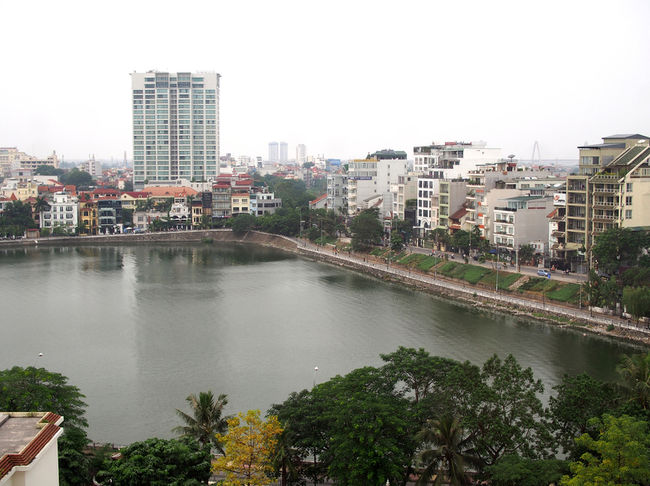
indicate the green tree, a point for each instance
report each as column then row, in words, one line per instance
column 510, row 418
column 16, row 217
column 370, row 429
column 305, row 430
column 460, row 240
column 206, row 421
column 48, row 170
column 158, row 462
column 404, row 228
column 127, row 217
column 637, row 301
column 77, row 178
column 128, row 186
column 526, row 253
column 420, row 373
column 635, row 375
column 366, row 229
column 449, row 452
column 440, row 238
column 36, row 389
column 41, row 204
column 243, row 223
column 396, row 241
column 620, row 455
column 513, row 470
column 578, row 399
column 618, row 247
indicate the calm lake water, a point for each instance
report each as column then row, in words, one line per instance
column 139, row 328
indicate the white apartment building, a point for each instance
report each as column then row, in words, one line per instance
column 521, row 220
column 337, row 191
column 369, row 183
column 405, row 189
column 426, row 218
column 274, row 154
column 175, row 126
column 453, row 160
column 64, row 212
column 92, row 166
column 301, row 153
column 283, row 152
column 262, row 203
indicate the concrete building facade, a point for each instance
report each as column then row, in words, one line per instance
column 175, row 126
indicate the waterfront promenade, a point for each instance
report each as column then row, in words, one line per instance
column 491, row 298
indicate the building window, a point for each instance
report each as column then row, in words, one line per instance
column 628, row 200
column 628, row 187
column 628, row 214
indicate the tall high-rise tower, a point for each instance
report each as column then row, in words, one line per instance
column 301, row 153
column 273, row 152
column 175, row 126
column 284, row 151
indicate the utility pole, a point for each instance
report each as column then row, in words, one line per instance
column 496, row 287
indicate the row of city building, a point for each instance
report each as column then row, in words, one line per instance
column 467, row 186
column 102, row 210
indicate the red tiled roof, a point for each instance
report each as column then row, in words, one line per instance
column 138, row 194
column 35, row 446
column 318, row 199
column 459, row 214
column 170, row 191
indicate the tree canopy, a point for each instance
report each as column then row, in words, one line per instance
column 76, row 178
column 207, row 419
column 619, row 455
column 249, row 444
column 158, row 462
column 366, row 229
column 36, row 389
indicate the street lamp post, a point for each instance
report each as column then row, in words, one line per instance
column 315, row 371
column 496, row 286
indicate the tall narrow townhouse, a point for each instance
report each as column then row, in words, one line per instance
column 594, row 196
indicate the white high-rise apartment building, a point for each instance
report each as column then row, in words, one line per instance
column 273, row 152
column 301, row 153
column 175, row 126
column 284, row 152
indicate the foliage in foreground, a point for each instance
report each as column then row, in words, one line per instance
column 158, row 462
column 36, row 389
column 248, row 446
column 206, row 420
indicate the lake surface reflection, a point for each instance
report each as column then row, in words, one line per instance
column 139, row 328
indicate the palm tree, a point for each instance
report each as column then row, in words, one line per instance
column 635, row 373
column 449, row 453
column 206, row 421
column 40, row 204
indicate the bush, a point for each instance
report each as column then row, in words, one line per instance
column 610, row 328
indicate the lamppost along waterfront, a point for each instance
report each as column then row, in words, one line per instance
column 315, row 371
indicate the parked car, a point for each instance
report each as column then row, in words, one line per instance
column 544, row 273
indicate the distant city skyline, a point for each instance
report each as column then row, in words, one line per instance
column 370, row 75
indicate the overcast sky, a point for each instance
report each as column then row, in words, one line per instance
column 343, row 77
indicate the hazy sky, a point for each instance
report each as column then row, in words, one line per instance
column 342, row 77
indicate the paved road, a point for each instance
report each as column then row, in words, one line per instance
column 498, row 297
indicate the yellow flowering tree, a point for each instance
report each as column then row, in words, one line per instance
column 248, row 445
